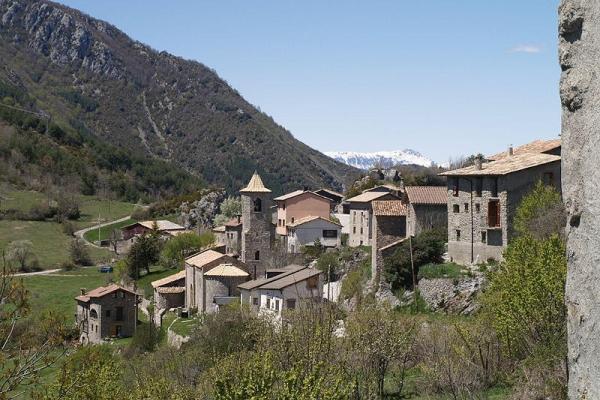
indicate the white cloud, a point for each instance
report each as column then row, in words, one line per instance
column 526, row 48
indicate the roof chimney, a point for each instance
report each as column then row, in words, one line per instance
column 82, row 290
column 478, row 163
column 510, row 150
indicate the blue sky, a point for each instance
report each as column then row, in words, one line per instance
column 444, row 77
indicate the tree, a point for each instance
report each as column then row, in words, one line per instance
column 329, row 263
column 541, row 213
column 114, row 238
column 428, row 247
column 181, row 246
column 21, row 252
column 230, row 208
column 143, row 253
column 79, row 252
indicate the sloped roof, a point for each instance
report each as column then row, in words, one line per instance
column 389, row 208
column 169, row 279
column 101, row 292
column 226, row 270
column 201, row 259
column 427, row 194
column 171, row 289
column 367, row 197
column 219, row 228
column 297, row 193
column 387, row 186
column 331, row 192
column 506, row 165
column 162, row 225
column 255, row 185
column 291, row 279
column 233, row 222
column 253, row 284
column 537, row 146
column 394, row 244
column 310, row 218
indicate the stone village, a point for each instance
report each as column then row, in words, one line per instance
column 255, row 259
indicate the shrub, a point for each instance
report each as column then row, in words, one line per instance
column 146, row 338
column 79, row 253
column 329, row 263
column 68, row 228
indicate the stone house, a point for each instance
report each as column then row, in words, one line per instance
column 285, row 291
column 211, row 280
column 298, row 205
column 305, row 231
column 258, row 231
column 552, row 146
column 389, row 230
column 482, row 200
column 169, row 292
column 361, row 212
column 427, row 208
column 107, row 311
column 229, row 236
column 139, row 228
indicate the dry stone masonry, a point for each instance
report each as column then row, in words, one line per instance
column 579, row 54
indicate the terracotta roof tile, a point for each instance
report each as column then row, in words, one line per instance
column 537, row 146
column 310, row 218
column 171, row 278
column 367, row 197
column 427, row 194
column 389, row 208
column 201, row 259
column 101, row 292
column 255, row 185
column 506, row 165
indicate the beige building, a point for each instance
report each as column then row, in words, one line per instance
column 107, row 311
column 361, row 212
column 298, row 205
column 211, row 280
column 482, row 200
column 305, row 231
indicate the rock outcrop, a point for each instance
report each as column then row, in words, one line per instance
column 453, row 296
column 579, row 54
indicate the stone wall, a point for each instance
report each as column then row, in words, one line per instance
column 454, row 296
column 427, row 216
column 386, row 230
column 579, row 52
column 258, row 233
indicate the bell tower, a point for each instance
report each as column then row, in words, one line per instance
column 257, row 228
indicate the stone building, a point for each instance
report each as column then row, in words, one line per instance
column 286, row 289
column 298, row 205
column 258, row 231
column 389, row 230
column 169, row 292
column 360, row 224
column 305, row 231
column 427, row 208
column 229, row 236
column 211, row 280
column 107, row 311
column 482, row 200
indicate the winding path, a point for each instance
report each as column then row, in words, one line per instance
column 81, row 233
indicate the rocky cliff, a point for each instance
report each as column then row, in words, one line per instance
column 90, row 76
column 579, row 52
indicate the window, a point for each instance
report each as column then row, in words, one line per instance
column 494, row 213
column 277, row 305
column 456, row 208
column 93, row 314
column 483, row 237
column 455, row 187
column 279, row 222
column 361, row 230
column 329, row 233
column 466, row 207
column 548, row 178
column 495, row 187
column 361, row 242
column 268, row 302
column 290, row 304
column 255, row 301
column 107, row 313
column 477, row 207
column 354, row 216
column 354, row 229
column 119, row 314
column 257, row 255
column 293, row 219
column 458, row 235
column 257, row 205
column 478, row 186
column 284, row 206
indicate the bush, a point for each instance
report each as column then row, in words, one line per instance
column 68, row 266
column 446, row 270
column 67, row 209
column 329, row 263
column 79, row 253
column 41, row 212
column 146, row 338
column 140, row 213
column 68, row 228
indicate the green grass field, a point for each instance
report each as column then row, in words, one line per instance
column 447, row 270
column 105, row 231
column 156, row 273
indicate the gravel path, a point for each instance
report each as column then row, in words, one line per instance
column 81, row 233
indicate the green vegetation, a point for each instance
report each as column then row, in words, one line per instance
column 106, row 231
column 156, row 273
column 229, row 208
column 446, row 270
column 181, row 246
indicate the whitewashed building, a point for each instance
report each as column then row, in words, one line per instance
column 305, row 231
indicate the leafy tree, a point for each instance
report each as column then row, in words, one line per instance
column 143, row 253
column 541, row 213
column 181, row 246
column 79, row 253
column 229, row 208
column 329, row 263
column 428, row 247
column 21, row 252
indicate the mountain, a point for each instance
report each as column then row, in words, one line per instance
column 366, row 161
column 96, row 82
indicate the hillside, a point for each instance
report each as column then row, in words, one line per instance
column 94, row 80
column 383, row 159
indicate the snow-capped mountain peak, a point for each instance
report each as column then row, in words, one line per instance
column 384, row 159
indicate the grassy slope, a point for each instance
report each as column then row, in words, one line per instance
column 105, row 231
column 50, row 243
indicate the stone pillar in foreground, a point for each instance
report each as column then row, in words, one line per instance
column 579, row 54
